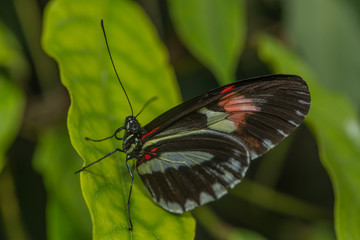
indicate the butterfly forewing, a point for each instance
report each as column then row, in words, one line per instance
column 195, row 151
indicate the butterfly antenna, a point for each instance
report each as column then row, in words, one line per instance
column 147, row 103
column 112, row 62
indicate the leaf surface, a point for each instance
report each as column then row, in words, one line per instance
column 213, row 31
column 74, row 38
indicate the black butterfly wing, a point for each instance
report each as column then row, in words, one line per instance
column 193, row 152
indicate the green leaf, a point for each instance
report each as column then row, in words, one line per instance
column 221, row 230
column 66, row 212
column 328, row 38
column 213, row 31
column 335, row 123
column 278, row 202
column 12, row 102
column 72, row 35
column 11, row 56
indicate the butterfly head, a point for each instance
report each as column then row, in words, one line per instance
column 132, row 125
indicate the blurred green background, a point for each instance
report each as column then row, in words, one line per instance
column 306, row 188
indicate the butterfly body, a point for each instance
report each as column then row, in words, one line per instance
column 132, row 137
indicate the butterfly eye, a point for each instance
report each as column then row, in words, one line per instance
column 134, row 127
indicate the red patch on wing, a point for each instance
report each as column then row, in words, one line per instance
column 227, row 89
column 149, row 155
column 237, row 106
column 151, row 132
column 153, row 151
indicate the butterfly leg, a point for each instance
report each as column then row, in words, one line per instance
column 132, row 181
column 114, row 135
column 116, row 150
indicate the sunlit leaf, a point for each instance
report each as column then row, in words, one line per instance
column 335, row 123
column 72, row 35
column 214, row 32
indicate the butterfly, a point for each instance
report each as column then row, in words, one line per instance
column 191, row 154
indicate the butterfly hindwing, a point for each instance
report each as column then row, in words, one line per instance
column 195, row 151
column 193, row 169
